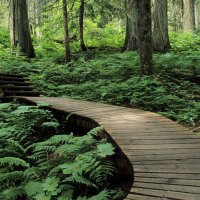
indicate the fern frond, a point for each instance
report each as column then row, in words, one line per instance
column 80, row 180
column 96, row 131
column 58, row 140
column 12, row 144
column 33, row 173
column 32, row 188
column 10, row 153
column 67, row 195
column 50, row 184
column 12, row 177
column 103, row 195
column 68, row 149
column 12, row 161
column 13, row 193
column 100, row 173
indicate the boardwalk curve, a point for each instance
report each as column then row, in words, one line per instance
column 165, row 156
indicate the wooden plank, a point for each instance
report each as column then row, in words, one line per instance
column 13, row 83
column 174, row 161
column 172, row 175
column 166, row 136
column 176, row 168
column 151, row 142
column 170, row 181
column 143, row 197
column 7, row 78
column 168, row 187
column 21, row 93
column 139, row 131
column 16, row 87
column 165, row 194
column 161, row 146
column 11, row 75
column 165, row 157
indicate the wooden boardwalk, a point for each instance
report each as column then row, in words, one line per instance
column 165, row 156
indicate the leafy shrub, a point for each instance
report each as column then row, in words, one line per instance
column 38, row 162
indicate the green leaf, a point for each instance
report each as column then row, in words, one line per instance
column 33, row 188
column 105, row 150
column 50, row 184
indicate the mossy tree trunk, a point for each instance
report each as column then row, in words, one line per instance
column 19, row 29
column 177, row 15
column 160, row 26
column 131, row 40
column 197, row 15
column 188, row 15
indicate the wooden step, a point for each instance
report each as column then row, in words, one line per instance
column 12, row 75
column 21, row 93
column 14, row 83
column 16, row 88
column 6, row 78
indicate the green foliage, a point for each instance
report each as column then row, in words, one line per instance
column 38, row 162
column 114, row 78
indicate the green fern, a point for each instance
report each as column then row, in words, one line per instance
column 44, row 167
column 13, row 193
column 12, row 161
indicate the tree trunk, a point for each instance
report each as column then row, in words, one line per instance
column 19, row 28
column 160, row 26
column 66, row 32
column 81, row 17
column 131, row 40
column 177, row 15
column 197, row 15
column 188, row 15
column 145, row 36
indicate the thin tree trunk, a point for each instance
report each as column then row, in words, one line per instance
column 19, row 30
column 160, row 26
column 131, row 40
column 145, row 36
column 197, row 15
column 66, row 32
column 81, row 18
column 188, row 15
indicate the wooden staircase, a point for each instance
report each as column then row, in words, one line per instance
column 16, row 85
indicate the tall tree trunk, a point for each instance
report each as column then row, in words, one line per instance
column 188, row 15
column 177, row 15
column 197, row 15
column 131, row 40
column 145, row 36
column 66, row 32
column 19, row 28
column 160, row 26
column 81, row 17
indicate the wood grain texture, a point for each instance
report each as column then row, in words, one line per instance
column 164, row 155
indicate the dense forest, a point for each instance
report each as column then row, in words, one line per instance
column 134, row 53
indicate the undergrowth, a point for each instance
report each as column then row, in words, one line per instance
column 38, row 161
column 113, row 77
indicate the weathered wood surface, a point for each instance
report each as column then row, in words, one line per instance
column 164, row 155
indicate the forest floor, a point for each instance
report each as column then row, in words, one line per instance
column 111, row 76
